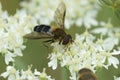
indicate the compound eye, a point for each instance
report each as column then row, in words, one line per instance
column 67, row 39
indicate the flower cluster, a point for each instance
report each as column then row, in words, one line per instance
column 79, row 12
column 116, row 78
column 11, row 40
column 108, row 30
column 11, row 35
column 86, row 51
column 13, row 74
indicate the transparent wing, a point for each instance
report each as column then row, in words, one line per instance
column 36, row 35
column 59, row 15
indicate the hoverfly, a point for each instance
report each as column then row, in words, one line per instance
column 44, row 31
column 86, row 74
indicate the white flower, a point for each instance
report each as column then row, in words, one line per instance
column 9, row 57
column 85, row 51
column 79, row 12
column 34, row 76
column 116, row 78
column 10, row 73
column 107, row 28
column 53, row 62
column 110, row 42
column 73, row 76
column 42, row 75
column 113, row 60
column 13, row 74
column 12, row 30
column 28, row 75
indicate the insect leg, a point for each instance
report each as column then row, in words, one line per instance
column 48, row 48
column 60, row 41
column 51, row 41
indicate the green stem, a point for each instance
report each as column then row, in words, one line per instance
column 65, row 74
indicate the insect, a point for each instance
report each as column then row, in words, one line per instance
column 44, row 31
column 86, row 74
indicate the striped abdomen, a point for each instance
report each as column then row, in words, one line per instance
column 42, row 28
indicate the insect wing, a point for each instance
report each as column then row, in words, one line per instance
column 59, row 15
column 36, row 35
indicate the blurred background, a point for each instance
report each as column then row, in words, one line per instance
column 36, row 54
